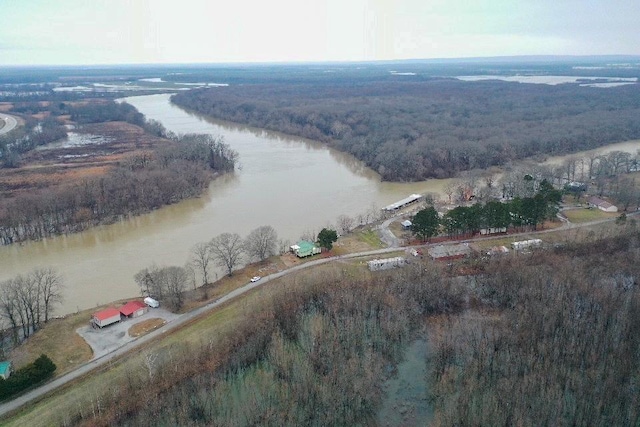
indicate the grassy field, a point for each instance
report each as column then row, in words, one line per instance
column 578, row 216
column 58, row 340
column 370, row 238
column 222, row 286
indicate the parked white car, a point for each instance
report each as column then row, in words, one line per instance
column 255, row 278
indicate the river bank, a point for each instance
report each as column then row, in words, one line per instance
column 295, row 185
column 278, row 179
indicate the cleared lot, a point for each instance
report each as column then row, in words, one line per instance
column 109, row 338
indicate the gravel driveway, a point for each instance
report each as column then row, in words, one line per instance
column 109, row 338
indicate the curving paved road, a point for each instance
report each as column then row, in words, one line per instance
column 94, row 363
column 184, row 318
column 10, row 123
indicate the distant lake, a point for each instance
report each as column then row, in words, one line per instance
column 603, row 82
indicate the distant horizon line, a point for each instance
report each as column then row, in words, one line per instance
column 499, row 58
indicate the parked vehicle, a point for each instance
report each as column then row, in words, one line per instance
column 255, row 278
column 151, row 302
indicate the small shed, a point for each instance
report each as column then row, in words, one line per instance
column 304, row 249
column 106, row 317
column 406, row 224
column 386, row 263
column 5, row 369
column 134, row 309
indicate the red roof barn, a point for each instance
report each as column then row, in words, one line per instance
column 106, row 317
column 134, row 309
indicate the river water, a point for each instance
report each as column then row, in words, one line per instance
column 292, row 184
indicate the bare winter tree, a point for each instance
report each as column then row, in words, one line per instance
column 176, row 281
column 9, row 307
column 200, row 259
column 50, row 286
column 284, row 245
column 450, row 189
column 165, row 282
column 27, row 300
column 227, row 250
column 151, row 281
column 262, row 242
column 27, row 293
column 309, row 235
column 344, row 223
column 191, row 275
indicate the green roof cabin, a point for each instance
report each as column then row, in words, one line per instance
column 5, row 370
column 303, row 249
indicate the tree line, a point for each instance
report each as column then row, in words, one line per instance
column 28, row 300
column 435, row 128
column 552, row 340
column 227, row 250
column 28, row 376
column 522, row 213
column 173, row 171
column 25, row 138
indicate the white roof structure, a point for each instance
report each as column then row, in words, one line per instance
column 386, row 263
column 397, row 205
column 406, row 223
column 524, row 244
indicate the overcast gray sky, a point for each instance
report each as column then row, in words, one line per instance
column 185, row 31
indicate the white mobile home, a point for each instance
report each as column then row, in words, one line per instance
column 106, row 317
column 385, row 264
column 526, row 244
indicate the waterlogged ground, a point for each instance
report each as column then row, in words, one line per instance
column 406, row 402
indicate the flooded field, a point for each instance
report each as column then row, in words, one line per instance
column 405, row 402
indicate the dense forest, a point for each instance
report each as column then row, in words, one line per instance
column 558, row 345
column 25, row 138
column 432, row 127
column 169, row 169
column 549, row 338
column 174, row 171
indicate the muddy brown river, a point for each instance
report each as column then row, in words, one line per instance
column 292, row 184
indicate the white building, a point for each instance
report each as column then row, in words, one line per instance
column 106, row 317
column 526, row 244
column 603, row 205
column 386, row 263
column 402, row 203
